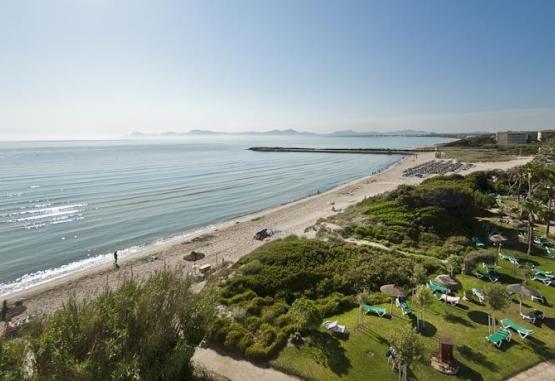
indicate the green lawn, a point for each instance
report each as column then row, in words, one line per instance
column 362, row 355
column 477, row 154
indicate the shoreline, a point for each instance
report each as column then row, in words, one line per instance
column 228, row 240
column 132, row 253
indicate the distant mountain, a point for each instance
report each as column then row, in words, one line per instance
column 289, row 131
column 201, row 132
column 292, row 132
column 138, row 134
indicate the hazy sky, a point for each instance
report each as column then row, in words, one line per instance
column 104, row 68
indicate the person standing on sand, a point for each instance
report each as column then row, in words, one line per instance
column 116, row 257
column 4, row 310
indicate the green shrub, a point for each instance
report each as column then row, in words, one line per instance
column 471, row 260
column 252, row 323
column 374, row 298
column 241, row 297
column 335, row 303
column 270, row 313
column 283, row 320
column 254, row 307
column 140, row 331
column 12, row 360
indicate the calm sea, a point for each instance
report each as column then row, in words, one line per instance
column 67, row 205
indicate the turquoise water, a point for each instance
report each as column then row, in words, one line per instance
column 66, row 205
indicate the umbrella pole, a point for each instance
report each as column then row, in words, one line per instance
column 391, row 308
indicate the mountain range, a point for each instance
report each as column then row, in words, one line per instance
column 342, row 133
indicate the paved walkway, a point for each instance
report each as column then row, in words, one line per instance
column 236, row 370
column 541, row 372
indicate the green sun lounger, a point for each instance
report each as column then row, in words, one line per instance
column 515, row 261
column 479, row 294
column 487, row 276
column 489, row 267
column 550, row 251
column 499, row 337
column 547, row 280
column 532, row 315
column 522, row 331
column 476, row 241
column 380, row 311
column 436, row 287
column 403, row 305
column 506, row 257
column 548, row 274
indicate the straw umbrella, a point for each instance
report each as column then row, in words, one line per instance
column 521, row 290
column 447, row 281
column 393, row 291
column 497, row 239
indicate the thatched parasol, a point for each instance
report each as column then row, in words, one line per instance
column 521, row 290
column 498, row 240
column 446, row 281
column 393, row 291
column 194, row 256
column 518, row 224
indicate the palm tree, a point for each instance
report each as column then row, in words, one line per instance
column 518, row 177
column 531, row 209
column 548, row 181
column 528, row 174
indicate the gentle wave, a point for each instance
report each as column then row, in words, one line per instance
column 44, row 276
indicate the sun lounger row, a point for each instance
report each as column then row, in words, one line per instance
column 436, row 167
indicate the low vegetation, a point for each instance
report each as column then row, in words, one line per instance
column 485, row 148
column 435, row 218
column 142, row 331
column 262, row 296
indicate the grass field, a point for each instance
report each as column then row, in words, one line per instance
column 362, row 355
column 477, row 154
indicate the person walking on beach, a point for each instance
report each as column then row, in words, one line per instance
column 116, row 257
column 4, row 310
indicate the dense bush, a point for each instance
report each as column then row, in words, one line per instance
column 433, row 217
column 473, row 259
column 139, row 332
column 12, row 360
column 323, row 275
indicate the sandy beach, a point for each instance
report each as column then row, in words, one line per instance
column 228, row 241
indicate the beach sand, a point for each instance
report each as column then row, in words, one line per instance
column 228, row 241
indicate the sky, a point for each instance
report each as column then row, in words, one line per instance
column 96, row 69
